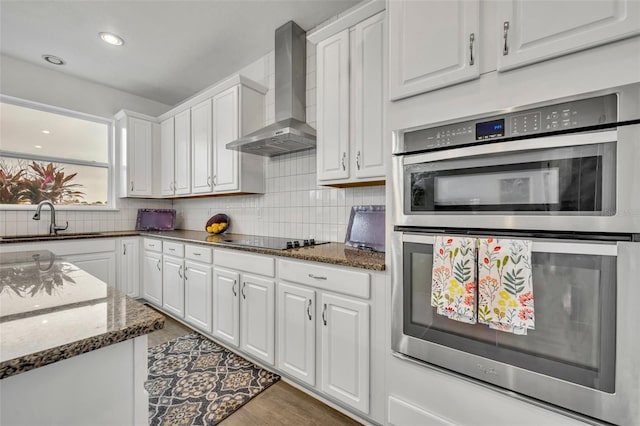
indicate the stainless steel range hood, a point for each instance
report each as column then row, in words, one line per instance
column 290, row 132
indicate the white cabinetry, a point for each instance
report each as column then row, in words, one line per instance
column 101, row 265
column 152, row 271
column 198, row 294
column 129, row 266
column 432, row 44
column 533, row 31
column 342, row 322
column 167, row 143
column 237, row 111
column 135, row 134
column 244, row 303
column 182, row 153
column 350, row 91
column 173, row 285
column 201, row 148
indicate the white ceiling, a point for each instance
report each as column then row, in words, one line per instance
column 172, row 49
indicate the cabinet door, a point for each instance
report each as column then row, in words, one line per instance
column 533, row 31
column 257, row 317
column 139, row 140
column 345, row 350
column 333, row 107
column 226, row 319
column 198, row 294
column 182, row 153
column 152, row 277
column 129, row 267
column 368, row 96
column 173, row 285
column 166, row 157
column 297, row 332
column 201, row 148
column 432, row 44
column 100, row 265
column 225, row 130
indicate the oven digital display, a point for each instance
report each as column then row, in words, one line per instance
column 490, row 129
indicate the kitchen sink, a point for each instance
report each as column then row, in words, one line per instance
column 48, row 236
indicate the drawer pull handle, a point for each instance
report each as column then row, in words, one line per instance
column 317, row 277
column 309, row 309
column 505, row 36
column 185, row 273
column 172, row 249
column 324, row 312
column 196, row 254
column 472, row 38
column 244, row 296
column 180, row 271
column 158, row 265
column 233, row 288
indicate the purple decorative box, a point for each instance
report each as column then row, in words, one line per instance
column 366, row 228
column 156, row 220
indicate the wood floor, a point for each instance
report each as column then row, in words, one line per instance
column 280, row 404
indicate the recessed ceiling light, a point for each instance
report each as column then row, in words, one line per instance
column 53, row 59
column 37, row 146
column 112, row 39
column 46, row 132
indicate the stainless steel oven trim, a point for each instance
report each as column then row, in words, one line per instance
column 621, row 407
column 513, row 146
column 568, row 247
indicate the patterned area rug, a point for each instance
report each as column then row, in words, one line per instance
column 193, row 381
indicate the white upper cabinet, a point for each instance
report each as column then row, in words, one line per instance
column 351, row 96
column 333, row 107
column 135, row 137
column 167, row 157
column 201, row 148
column 533, row 31
column 432, row 44
column 225, row 130
column 182, row 153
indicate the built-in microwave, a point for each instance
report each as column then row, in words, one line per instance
column 564, row 175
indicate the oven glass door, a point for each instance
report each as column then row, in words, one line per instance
column 574, row 180
column 575, row 302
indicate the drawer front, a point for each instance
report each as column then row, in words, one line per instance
column 239, row 261
column 152, row 244
column 339, row 280
column 198, row 253
column 173, row 249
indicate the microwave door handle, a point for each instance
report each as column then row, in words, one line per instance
column 561, row 141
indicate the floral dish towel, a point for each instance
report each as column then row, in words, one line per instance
column 453, row 284
column 505, row 286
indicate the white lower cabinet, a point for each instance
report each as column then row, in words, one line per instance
column 198, row 294
column 297, row 332
column 343, row 323
column 226, row 319
column 129, row 266
column 152, row 271
column 345, row 350
column 257, row 317
column 173, row 285
column 100, row 265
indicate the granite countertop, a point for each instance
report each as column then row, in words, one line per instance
column 333, row 253
column 52, row 310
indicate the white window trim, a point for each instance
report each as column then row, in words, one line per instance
column 112, row 199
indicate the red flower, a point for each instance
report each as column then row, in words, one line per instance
column 525, row 314
column 441, row 251
column 489, row 240
column 449, row 308
column 469, row 300
column 497, row 248
column 486, row 260
column 526, row 299
column 449, row 241
column 469, row 287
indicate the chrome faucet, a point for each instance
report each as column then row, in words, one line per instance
column 53, row 228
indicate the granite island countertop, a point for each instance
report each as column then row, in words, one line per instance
column 52, row 310
column 332, row 253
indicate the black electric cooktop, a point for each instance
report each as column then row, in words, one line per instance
column 274, row 243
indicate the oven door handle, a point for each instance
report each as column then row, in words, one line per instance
column 560, row 141
column 560, row 247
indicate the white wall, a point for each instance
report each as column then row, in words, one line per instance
column 49, row 86
column 293, row 205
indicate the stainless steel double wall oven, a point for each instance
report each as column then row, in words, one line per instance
column 566, row 175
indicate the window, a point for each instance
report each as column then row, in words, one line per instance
column 52, row 154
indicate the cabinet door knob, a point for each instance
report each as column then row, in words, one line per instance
column 505, row 49
column 472, row 38
column 324, row 313
column 344, row 159
column 309, row 309
column 358, row 160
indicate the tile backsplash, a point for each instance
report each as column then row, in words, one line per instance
column 293, row 205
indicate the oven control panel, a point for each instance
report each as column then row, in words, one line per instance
column 515, row 124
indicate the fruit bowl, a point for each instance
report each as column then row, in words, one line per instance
column 217, row 224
